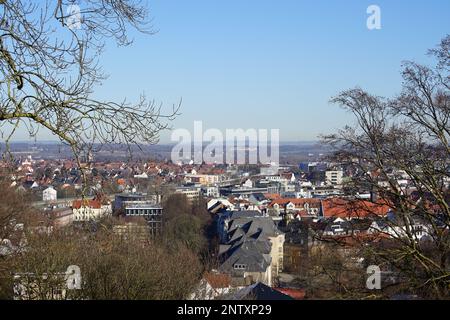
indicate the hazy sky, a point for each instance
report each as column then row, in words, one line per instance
column 270, row 64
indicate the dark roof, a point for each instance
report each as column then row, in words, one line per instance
column 253, row 254
column 259, row 196
column 393, row 219
column 257, row 291
column 296, row 232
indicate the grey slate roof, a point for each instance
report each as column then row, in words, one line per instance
column 255, row 255
column 248, row 242
column 257, row 291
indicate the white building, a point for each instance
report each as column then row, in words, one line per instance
column 90, row 210
column 272, row 169
column 289, row 187
column 141, row 176
column 248, row 184
column 49, row 194
column 211, row 191
column 395, row 228
column 191, row 193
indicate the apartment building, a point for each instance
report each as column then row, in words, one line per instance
column 334, row 177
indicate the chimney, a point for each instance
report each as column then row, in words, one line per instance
column 373, row 195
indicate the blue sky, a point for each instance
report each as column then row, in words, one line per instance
column 270, row 64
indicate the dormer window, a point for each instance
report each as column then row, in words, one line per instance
column 239, row 266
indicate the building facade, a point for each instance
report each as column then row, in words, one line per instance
column 151, row 212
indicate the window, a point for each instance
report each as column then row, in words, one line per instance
column 239, row 266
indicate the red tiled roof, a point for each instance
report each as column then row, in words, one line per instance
column 297, row 294
column 94, row 204
column 352, row 240
column 217, row 280
column 342, row 208
column 272, row 196
column 296, row 201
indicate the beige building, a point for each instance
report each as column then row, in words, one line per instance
column 276, row 253
column 334, row 177
column 203, row 179
column 86, row 210
column 191, row 194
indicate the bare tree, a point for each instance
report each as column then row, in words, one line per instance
column 330, row 273
column 49, row 61
column 111, row 266
column 407, row 135
column 16, row 216
column 14, row 208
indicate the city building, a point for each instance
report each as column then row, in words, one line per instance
column 49, row 194
column 151, row 212
column 251, row 249
column 192, row 193
column 87, row 210
column 334, row 177
column 241, row 191
column 119, row 199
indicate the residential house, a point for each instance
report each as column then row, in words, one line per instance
column 297, row 207
column 353, row 209
column 213, row 285
column 49, row 194
column 395, row 227
column 252, row 248
column 341, row 226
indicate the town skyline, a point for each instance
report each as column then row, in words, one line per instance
column 256, row 59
